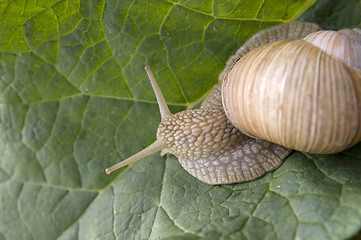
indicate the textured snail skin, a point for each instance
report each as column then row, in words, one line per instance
column 210, row 148
column 206, row 143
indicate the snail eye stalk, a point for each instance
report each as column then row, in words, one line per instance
column 157, row 145
column 163, row 108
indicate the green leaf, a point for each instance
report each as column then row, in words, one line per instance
column 75, row 99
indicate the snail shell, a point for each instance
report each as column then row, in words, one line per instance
column 301, row 94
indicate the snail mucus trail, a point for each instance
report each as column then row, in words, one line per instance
column 205, row 141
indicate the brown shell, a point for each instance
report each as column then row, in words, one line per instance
column 294, row 94
column 291, row 30
column 344, row 44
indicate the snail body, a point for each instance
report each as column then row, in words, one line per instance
column 210, row 143
column 209, row 147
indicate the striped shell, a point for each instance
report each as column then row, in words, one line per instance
column 301, row 94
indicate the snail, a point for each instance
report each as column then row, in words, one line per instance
column 240, row 131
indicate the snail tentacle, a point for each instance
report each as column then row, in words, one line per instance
column 158, row 144
column 154, row 147
column 163, row 107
